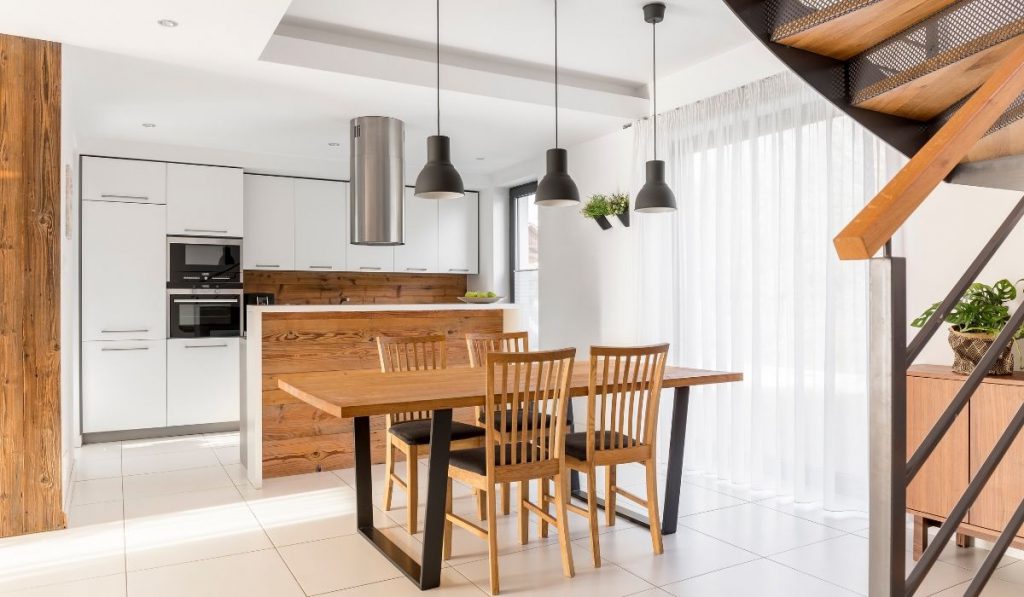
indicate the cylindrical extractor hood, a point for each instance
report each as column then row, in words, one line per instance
column 378, row 181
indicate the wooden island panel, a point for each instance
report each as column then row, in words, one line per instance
column 359, row 288
column 298, row 438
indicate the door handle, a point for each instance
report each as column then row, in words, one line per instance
column 123, row 331
column 206, row 230
column 321, row 267
column 267, row 265
column 415, row 269
column 195, row 301
column 368, row 267
column 110, row 196
column 206, row 346
column 124, row 349
column 458, row 269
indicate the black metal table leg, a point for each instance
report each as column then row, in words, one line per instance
column 364, row 508
column 676, row 445
column 673, row 484
column 437, row 488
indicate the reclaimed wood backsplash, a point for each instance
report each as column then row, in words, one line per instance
column 298, row 438
column 330, row 288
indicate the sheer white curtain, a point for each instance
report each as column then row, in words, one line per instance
column 743, row 277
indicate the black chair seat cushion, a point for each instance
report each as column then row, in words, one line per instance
column 417, row 433
column 509, row 419
column 474, row 460
column 576, row 443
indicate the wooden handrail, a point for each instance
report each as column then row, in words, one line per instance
column 882, row 216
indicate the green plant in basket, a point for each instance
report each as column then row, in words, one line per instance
column 982, row 312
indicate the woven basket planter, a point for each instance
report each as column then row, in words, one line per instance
column 969, row 348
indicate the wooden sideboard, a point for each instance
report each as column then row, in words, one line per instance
column 943, row 479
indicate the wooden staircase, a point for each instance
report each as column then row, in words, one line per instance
column 943, row 82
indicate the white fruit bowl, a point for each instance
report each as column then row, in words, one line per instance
column 480, row 300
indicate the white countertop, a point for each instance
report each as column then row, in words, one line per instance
column 256, row 309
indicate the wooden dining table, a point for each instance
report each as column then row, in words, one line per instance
column 362, row 394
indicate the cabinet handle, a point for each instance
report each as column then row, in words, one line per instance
column 204, row 301
column 206, row 230
column 415, row 269
column 458, row 269
column 321, row 267
column 139, row 197
column 122, row 331
column 124, row 349
column 267, row 265
column 206, row 346
column 368, row 267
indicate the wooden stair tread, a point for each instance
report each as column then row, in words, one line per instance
column 1001, row 143
column 850, row 27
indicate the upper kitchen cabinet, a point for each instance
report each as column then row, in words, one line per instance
column 124, row 264
column 458, row 224
column 269, row 223
column 131, row 181
column 321, row 224
column 204, row 200
column 419, row 253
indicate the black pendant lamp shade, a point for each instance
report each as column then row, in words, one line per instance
column 439, row 179
column 655, row 196
column 557, row 187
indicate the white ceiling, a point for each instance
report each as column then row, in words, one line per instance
column 233, row 77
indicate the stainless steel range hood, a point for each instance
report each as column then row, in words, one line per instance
column 378, row 181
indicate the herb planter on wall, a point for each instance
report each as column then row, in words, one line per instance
column 600, row 207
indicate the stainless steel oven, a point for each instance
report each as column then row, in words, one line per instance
column 199, row 313
column 204, row 262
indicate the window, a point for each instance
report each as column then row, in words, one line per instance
column 524, row 250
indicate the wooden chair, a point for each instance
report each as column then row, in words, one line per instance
column 622, row 425
column 519, row 384
column 409, row 432
column 480, row 345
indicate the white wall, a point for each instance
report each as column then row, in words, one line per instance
column 943, row 237
column 69, row 293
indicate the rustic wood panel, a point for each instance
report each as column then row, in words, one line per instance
column 298, row 438
column 30, row 425
column 330, row 288
column 947, row 472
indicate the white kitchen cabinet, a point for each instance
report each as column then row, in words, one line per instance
column 204, row 200
column 269, row 223
column 124, row 263
column 369, row 259
column 419, row 253
column 321, row 224
column 124, row 385
column 132, row 181
column 458, row 224
column 203, row 381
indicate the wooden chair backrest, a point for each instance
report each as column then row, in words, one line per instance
column 481, row 344
column 411, row 353
column 527, row 402
column 625, row 390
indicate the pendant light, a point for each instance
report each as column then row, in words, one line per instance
column 557, row 187
column 439, row 179
column 655, row 196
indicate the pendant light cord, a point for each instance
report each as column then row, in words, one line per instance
column 438, row 38
column 654, row 78
column 556, row 74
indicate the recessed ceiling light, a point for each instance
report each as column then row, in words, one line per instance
column 149, row 125
column 169, row 23
column 334, row 144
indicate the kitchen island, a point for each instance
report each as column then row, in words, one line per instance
column 284, row 436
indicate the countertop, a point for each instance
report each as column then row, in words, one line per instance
column 255, row 309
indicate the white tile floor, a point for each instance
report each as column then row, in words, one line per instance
column 175, row 517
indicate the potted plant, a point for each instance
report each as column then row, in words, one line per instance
column 599, row 207
column 976, row 320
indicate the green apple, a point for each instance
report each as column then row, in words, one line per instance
column 491, row 294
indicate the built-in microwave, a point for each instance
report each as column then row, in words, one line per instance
column 204, row 262
column 204, row 313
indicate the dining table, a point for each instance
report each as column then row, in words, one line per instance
column 361, row 394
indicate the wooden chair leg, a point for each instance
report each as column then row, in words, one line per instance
column 447, row 553
column 524, row 515
column 542, row 496
column 652, row 506
column 492, row 536
column 562, row 518
column 389, row 467
column 506, row 498
column 595, row 544
column 609, row 496
column 412, row 480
